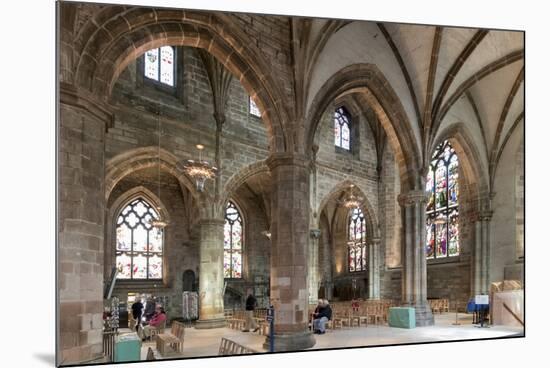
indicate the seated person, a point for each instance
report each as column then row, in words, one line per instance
column 323, row 314
column 158, row 319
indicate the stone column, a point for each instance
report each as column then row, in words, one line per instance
column 414, row 279
column 313, row 265
column 82, row 125
column 374, row 268
column 289, row 251
column 481, row 253
column 211, row 274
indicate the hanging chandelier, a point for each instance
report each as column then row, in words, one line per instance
column 199, row 170
column 351, row 200
column 158, row 223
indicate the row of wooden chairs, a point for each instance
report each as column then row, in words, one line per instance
column 229, row 347
column 361, row 313
column 439, row 305
column 236, row 319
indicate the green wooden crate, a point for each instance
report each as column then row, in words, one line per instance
column 127, row 348
column 402, row 317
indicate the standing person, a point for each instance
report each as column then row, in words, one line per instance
column 137, row 311
column 321, row 317
column 250, row 306
column 149, row 308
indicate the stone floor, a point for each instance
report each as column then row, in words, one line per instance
column 206, row 342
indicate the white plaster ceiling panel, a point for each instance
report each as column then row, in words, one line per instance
column 490, row 95
column 494, row 46
column 463, row 112
column 415, row 46
column 362, row 42
column 516, row 108
column 453, row 41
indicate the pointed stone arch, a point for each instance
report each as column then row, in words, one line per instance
column 117, row 35
column 367, row 80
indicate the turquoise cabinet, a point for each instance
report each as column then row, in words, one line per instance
column 127, row 348
column 402, row 317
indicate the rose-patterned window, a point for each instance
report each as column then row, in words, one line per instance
column 139, row 246
column 342, row 128
column 442, row 238
column 159, row 65
column 357, row 241
column 232, row 242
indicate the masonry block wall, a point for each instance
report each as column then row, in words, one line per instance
column 80, row 252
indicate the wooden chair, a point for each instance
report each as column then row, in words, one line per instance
column 228, row 347
column 173, row 339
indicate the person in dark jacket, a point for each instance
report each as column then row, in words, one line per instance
column 137, row 311
column 149, row 309
column 250, row 321
column 322, row 315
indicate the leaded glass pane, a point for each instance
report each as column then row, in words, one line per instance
column 236, row 259
column 430, row 240
column 155, row 241
column 345, row 136
column 140, row 239
column 441, row 186
column 140, row 267
column 337, row 133
column 236, row 234
column 430, row 190
column 453, row 234
column 152, row 64
column 167, row 65
column 123, row 237
column 123, row 265
column 227, row 263
column 453, row 181
column 441, row 239
column 155, row 267
column 254, row 110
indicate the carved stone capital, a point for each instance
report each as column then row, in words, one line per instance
column 412, row 197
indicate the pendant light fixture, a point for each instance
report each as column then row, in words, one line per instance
column 199, row 170
column 351, row 200
column 158, row 223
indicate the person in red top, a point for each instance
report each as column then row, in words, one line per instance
column 158, row 320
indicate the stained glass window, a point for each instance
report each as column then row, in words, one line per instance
column 139, row 245
column 159, row 65
column 357, row 241
column 442, row 235
column 254, row 110
column 342, row 128
column 232, row 242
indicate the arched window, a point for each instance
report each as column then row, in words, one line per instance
column 139, row 246
column 232, row 242
column 159, row 65
column 253, row 108
column 342, row 128
column 357, row 241
column 442, row 209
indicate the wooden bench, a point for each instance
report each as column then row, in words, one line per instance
column 173, row 339
column 229, row 347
